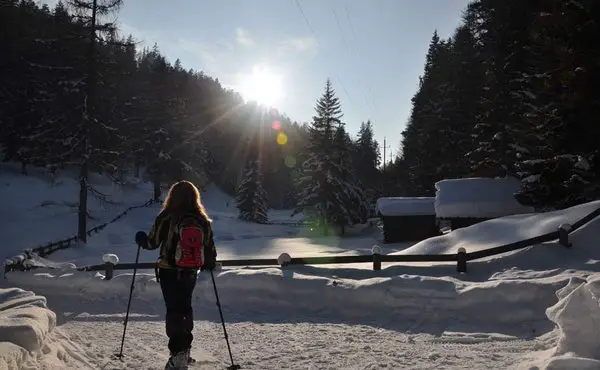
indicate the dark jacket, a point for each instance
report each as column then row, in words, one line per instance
column 162, row 235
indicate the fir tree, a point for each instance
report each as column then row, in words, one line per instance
column 315, row 196
column 29, row 73
column 251, row 197
column 349, row 196
column 326, row 188
column 366, row 160
column 501, row 133
column 511, row 93
column 94, row 132
column 463, row 102
column 424, row 139
column 565, row 165
column 154, row 124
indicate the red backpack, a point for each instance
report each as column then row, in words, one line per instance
column 189, row 247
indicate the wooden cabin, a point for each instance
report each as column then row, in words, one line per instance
column 468, row 201
column 407, row 219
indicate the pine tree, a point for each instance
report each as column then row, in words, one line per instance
column 93, row 131
column 462, row 106
column 315, row 196
column 367, row 158
column 28, row 74
column 396, row 179
column 349, row 196
column 565, row 165
column 159, row 133
column 502, row 131
column 251, row 197
column 424, row 139
column 326, row 187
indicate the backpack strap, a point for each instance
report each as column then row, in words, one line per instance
column 170, row 243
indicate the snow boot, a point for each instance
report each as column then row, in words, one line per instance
column 178, row 361
column 191, row 360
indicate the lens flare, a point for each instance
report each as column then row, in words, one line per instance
column 282, row 138
column 290, row 161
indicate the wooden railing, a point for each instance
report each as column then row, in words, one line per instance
column 376, row 257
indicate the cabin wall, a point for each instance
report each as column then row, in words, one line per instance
column 461, row 222
column 409, row 228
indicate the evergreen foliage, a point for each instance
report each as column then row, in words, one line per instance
column 328, row 186
column 510, row 93
column 251, row 197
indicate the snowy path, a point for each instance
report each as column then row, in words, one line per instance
column 300, row 346
column 297, row 321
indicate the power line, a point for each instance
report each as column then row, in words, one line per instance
column 337, row 21
column 306, row 20
column 370, row 106
column 371, row 103
column 317, row 40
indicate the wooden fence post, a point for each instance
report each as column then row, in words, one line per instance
column 284, row 260
column 108, row 270
column 110, row 260
column 461, row 260
column 563, row 235
column 376, row 250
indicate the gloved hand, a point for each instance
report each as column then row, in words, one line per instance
column 209, row 265
column 141, row 239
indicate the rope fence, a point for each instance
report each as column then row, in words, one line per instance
column 51, row 247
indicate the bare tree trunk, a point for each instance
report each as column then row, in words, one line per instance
column 325, row 226
column 89, row 105
column 82, row 225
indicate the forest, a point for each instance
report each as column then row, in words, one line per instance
column 511, row 93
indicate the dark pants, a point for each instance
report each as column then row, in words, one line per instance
column 177, row 288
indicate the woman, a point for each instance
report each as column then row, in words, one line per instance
column 184, row 234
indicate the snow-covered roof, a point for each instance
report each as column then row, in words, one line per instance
column 406, row 206
column 478, row 197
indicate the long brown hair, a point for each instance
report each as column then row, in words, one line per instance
column 184, row 197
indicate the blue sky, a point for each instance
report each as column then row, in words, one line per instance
column 373, row 50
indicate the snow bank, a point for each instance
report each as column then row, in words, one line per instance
column 424, row 302
column 500, row 231
column 578, row 318
column 406, row 206
column 478, row 197
column 26, row 330
column 511, row 307
column 577, row 315
column 24, row 319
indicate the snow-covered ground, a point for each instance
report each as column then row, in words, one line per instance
column 534, row 308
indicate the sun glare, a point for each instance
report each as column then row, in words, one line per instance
column 262, row 86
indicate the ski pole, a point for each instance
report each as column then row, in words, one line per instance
column 138, row 239
column 233, row 365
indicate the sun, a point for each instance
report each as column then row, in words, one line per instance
column 262, row 86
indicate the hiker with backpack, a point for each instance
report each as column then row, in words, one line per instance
column 183, row 232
